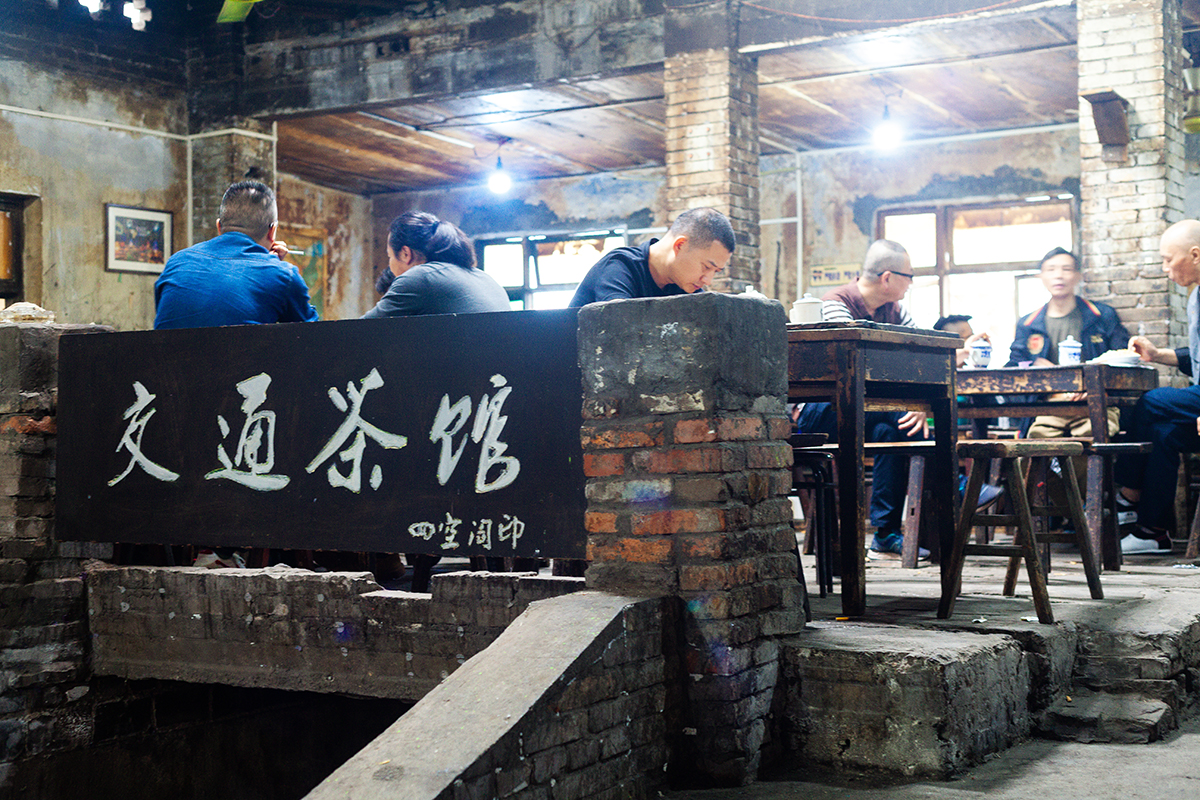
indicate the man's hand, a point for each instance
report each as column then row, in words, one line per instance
column 1067, row 397
column 914, row 423
column 1147, row 351
column 964, row 352
column 1198, row 426
column 280, row 248
column 1043, row 362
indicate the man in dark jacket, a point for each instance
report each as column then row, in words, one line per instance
column 1094, row 325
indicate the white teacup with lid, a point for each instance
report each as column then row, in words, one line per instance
column 806, row 309
column 1069, row 351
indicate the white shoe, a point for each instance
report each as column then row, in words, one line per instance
column 1137, row 546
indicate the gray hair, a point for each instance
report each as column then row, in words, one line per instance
column 883, row 256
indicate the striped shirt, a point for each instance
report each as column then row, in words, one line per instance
column 846, row 304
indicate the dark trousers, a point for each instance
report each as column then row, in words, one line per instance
column 890, row 480
column 1167, row 418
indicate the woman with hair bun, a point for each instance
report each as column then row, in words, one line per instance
column 434, row 265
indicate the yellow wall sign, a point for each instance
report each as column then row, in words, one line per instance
column 833, row 274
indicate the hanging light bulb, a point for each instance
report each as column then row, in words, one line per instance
column 499, row 181
column 888, row 134
column 138, row 14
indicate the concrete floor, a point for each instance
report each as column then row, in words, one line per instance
column 1149, row 587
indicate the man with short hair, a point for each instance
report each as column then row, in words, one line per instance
column 1067, row 316
column 697, row 246
column 237, row 277
column 1167, row 417
column 1092, row 324
column 884, row 280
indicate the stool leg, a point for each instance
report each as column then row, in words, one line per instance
column 1110, row 540
column 1028, row 543
column 1091, row 566
column 952, row 579
column 912, row 512
column 1193, row 545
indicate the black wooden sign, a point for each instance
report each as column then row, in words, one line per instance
column 440, row 434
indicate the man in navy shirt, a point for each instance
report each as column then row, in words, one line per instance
column 698, row 245
column 238, row 277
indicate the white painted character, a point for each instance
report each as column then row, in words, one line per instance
column 253, row 453
column 131, row 440
column 487, row 428
column 355, row 425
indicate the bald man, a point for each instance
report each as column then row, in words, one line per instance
column 1168, row 417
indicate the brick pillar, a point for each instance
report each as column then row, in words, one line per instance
column 712, row 129
column 43, row 629
column 1129, row 194
column 224, row 158
column 688, row 468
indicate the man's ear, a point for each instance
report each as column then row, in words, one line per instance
column 679, row 243
column 274, row 229
column 218, row 227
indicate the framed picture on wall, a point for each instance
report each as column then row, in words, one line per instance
column 137, row 239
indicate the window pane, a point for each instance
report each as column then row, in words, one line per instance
column 918, row 234
column 923, row 300
column 569, row 261
column 1010, row 234
column 505, row 263
column 991, row 298
column 549, row 300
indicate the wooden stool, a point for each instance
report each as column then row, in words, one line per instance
column 821, row 527
column 1025, row 539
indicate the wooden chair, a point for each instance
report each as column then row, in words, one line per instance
column 1025, row 497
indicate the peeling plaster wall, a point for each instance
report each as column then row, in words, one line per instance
column 348, row 223
column 986, row 169
column 632, row 199
column 70, row 170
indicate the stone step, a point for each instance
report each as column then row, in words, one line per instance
column 1087, row 716
column 913, row 702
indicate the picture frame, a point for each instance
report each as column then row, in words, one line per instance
column 137, row 239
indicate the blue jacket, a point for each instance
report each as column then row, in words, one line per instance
column 1099, row 332
column 229, row 280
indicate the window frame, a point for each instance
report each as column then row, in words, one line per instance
column 529, row 243
column 944, row 212
column 13, row 289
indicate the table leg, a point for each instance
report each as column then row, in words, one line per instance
column 849, row 404
column 943, row 476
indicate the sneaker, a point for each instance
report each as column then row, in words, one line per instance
column 1127, row 515
column 988, row 494
column 1148, row 543
column 889, row 546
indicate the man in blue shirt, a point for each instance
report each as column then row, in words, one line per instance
column 238, row 277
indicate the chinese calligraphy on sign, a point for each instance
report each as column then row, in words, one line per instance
column 441, row 435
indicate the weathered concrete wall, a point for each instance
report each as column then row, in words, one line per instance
column 841, row 191
column 351, row 258
column 69, row 170
column 293, row 629
column 582, row 718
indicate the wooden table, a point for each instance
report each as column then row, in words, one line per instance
column 861, row 366
column 1106, row 387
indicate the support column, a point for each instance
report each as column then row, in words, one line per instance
column 685, row 448
column 1131, row 192
column 712, row 129
column 224, row 157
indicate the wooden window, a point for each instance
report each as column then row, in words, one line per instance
column 10, row 248
column 980, row 259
